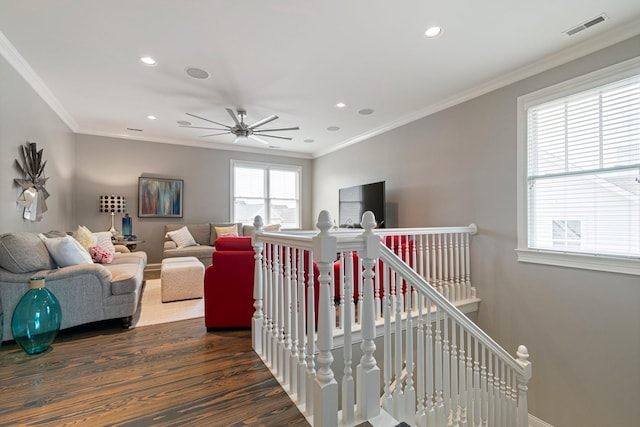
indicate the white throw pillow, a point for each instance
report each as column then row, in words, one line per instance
column 182, row 237
column 66, row 251
column 103, row 238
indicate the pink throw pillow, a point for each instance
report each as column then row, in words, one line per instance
column 100, row 254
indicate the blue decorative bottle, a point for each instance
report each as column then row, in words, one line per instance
column 126, row 225
column 36, row 319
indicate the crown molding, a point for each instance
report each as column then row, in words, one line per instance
column 546, row 63
column 13, row 57
column 206, row 145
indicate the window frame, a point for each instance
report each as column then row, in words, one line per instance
column 617, row 264
column 266, row 167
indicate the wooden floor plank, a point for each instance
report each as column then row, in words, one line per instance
column 174, row 374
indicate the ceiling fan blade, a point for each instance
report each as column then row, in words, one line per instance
column 272, row 136
column 216, row 134
column 201, row 127
column 255, row 138
column 276, row 130
column 263, row 122
column 233, row 116
column 207, row 120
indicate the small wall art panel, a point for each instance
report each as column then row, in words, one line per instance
column 160, row 197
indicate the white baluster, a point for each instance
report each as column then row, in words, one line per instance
column 420, row 371
column 460, row 294
column 484, row 385
column 270, row 301
column 310, row 375
column 279, row 283
column 441, row 288
column 258, row 314
column 467, row 259
column 325, row 387
column 476, row 385
column 387, row 400
column 302, row 341
column 368, row 371
column 440, row 416
column 286, row 371
column 430, row 392
column 491, row 390
column 469, row 380
column 348, row 387
column 463, row 380
column 342, row 280
column 295, row 314
column 523, row 361
column 398, row 394
column 409, row 390
column 455, row 405
column 446, row 372
column 503, row 395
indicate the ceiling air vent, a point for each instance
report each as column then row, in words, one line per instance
column 585, row 25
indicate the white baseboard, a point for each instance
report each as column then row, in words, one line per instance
column 536, row 422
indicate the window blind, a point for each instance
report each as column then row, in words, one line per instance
column 583, row 171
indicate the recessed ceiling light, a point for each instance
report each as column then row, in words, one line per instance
column 151, row 117
column 341, row 105
column 147, row 60
column 365, row 111
column 433, row 32
column 333, row 128
column 197, row 73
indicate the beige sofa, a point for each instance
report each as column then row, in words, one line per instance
column 86, row 292
column 205, row 236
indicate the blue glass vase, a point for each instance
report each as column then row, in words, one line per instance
column 36, row 319
column 126, row 225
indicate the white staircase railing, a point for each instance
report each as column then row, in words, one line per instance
column 438, row 367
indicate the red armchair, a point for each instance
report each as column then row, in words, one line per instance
column 228, row 284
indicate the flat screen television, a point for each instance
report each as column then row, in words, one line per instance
column 356, row 200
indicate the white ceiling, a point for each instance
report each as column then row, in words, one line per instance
column 292, row 58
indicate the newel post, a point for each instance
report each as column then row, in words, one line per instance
column 368, row 372
column 258, row 315
column 325, row 387
column 523, row 380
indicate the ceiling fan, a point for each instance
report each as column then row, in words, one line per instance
column 241, row 130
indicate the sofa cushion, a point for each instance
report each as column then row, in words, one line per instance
column 100, row 254
column 214, row 234
column 66, row 251
column 228, row 243
column 125, row 277
column 24, row 252
column 182, row 237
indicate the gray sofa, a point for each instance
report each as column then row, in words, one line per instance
column 205, row 236
column 87, row 293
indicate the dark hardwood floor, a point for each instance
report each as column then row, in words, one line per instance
column 173, row 374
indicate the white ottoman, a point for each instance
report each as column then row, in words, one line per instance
column 181, row 278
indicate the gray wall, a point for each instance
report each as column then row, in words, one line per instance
column 458, row 166
column 24, row 116
column 107, row 166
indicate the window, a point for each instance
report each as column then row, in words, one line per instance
column 579, row 172
column 271, row 191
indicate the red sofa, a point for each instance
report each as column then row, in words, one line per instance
column 228, row 284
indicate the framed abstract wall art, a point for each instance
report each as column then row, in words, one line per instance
column 160, row 197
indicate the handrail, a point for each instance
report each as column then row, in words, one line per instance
column 404, row 271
